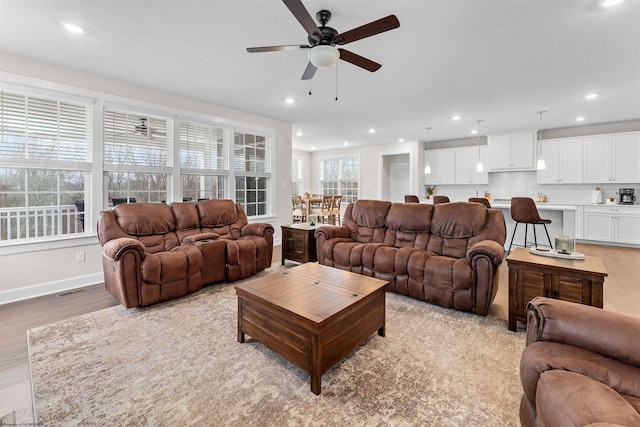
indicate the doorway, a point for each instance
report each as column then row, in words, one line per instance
column 396, row 180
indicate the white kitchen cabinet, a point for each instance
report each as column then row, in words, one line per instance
column 512, row 151
column 467, row 162
column 563, row 161
column 443, row 167
column 612, row 158
column 620, row 224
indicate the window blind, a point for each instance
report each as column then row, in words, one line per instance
column 203, row 148
column 43, row 129
column 132, row 139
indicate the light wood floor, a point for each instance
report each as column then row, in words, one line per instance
column 621, row 294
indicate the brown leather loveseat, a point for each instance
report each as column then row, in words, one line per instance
column 446, row 254
column 581, row 366
column 153, row 252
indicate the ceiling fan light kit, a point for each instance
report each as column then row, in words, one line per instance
column 323, row 56
column 323, row 40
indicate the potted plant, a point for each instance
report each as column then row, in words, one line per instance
column 431, row 191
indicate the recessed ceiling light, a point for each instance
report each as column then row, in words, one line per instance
column 401, row 140
column 298, row 133
column 474, row 131
column 76, row 29
column 346, row 143
column 372, row 130
column 579, row 119
column 609, row 3
column 591, row 96
column 455, row 118
column 289, row 100
column 313, row 148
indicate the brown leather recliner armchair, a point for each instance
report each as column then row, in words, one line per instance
column 581, row 366
column 153, row 252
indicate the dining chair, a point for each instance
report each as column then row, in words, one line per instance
column 335, row 209
column 440, row 199
column 481, row 200
column 411, row 198
column 298, row 210
column 323, row 212
column 524, row 210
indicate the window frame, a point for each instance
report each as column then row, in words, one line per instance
column 58, row 216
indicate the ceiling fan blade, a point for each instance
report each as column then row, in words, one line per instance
column 359, row 61
column 302, row 15
column 367, row 30
column 277, row 48
column 309, row 72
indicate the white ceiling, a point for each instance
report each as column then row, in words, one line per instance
column 500, row 61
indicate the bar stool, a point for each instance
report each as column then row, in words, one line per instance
column 411, row 198
column 480, row 200
column 440, row 199
column 524, row 210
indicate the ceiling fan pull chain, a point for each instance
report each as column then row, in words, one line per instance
column 336, row 81
column 309, row 87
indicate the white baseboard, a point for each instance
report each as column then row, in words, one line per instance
column 28, row 292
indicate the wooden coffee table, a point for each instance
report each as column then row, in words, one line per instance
column 312, row 315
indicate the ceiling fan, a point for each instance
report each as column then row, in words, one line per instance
column 322, row 40
column 145, row 129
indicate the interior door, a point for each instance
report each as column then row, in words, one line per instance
column 399, row 184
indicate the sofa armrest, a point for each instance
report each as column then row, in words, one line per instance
column 199, row 237
column 610, row 334
column 488, row 248
column 115, row 248
column 332, row 231
column 256, row 229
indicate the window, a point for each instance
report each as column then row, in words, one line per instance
column 204, row 160
column 252, row 169
column 296, row 176
column 137, row 155
column 45, row 160
column 340, row 176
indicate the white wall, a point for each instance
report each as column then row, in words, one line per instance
column 30, row 270
column 371, row 166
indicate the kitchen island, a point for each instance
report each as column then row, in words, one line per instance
column 563, row 222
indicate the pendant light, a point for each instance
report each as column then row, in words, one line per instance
column 540, row 165
column 479, row 166
column 427, row 166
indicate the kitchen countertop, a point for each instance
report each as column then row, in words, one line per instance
column 540, row 206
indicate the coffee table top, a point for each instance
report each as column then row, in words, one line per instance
column 313, row 291
column 591, row 264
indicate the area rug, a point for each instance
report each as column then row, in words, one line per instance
column 179, row 364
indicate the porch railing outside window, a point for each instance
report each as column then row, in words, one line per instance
column 41, row 221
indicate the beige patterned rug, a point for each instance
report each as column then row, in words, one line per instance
column 179, row 364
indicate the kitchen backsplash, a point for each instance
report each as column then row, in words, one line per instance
column 504, row 185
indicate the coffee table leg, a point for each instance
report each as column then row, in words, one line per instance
column 240, row 333
column 315, row 366
column 381, row 331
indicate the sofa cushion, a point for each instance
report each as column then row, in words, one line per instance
column 217, row 213
column 145, row 219
column 370, row 213
column 458, row 220
column 186, row 216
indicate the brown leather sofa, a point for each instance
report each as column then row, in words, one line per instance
column 446, row 254
column 581, row 366
column 153, row 252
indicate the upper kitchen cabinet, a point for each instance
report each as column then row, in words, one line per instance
column 562, row 158
column 612, row 158
column 443, row 166
column 467, row 162
column 512, row 151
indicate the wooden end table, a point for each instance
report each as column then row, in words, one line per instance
column 299, row 242
column 532, row 275
column 312, row 315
